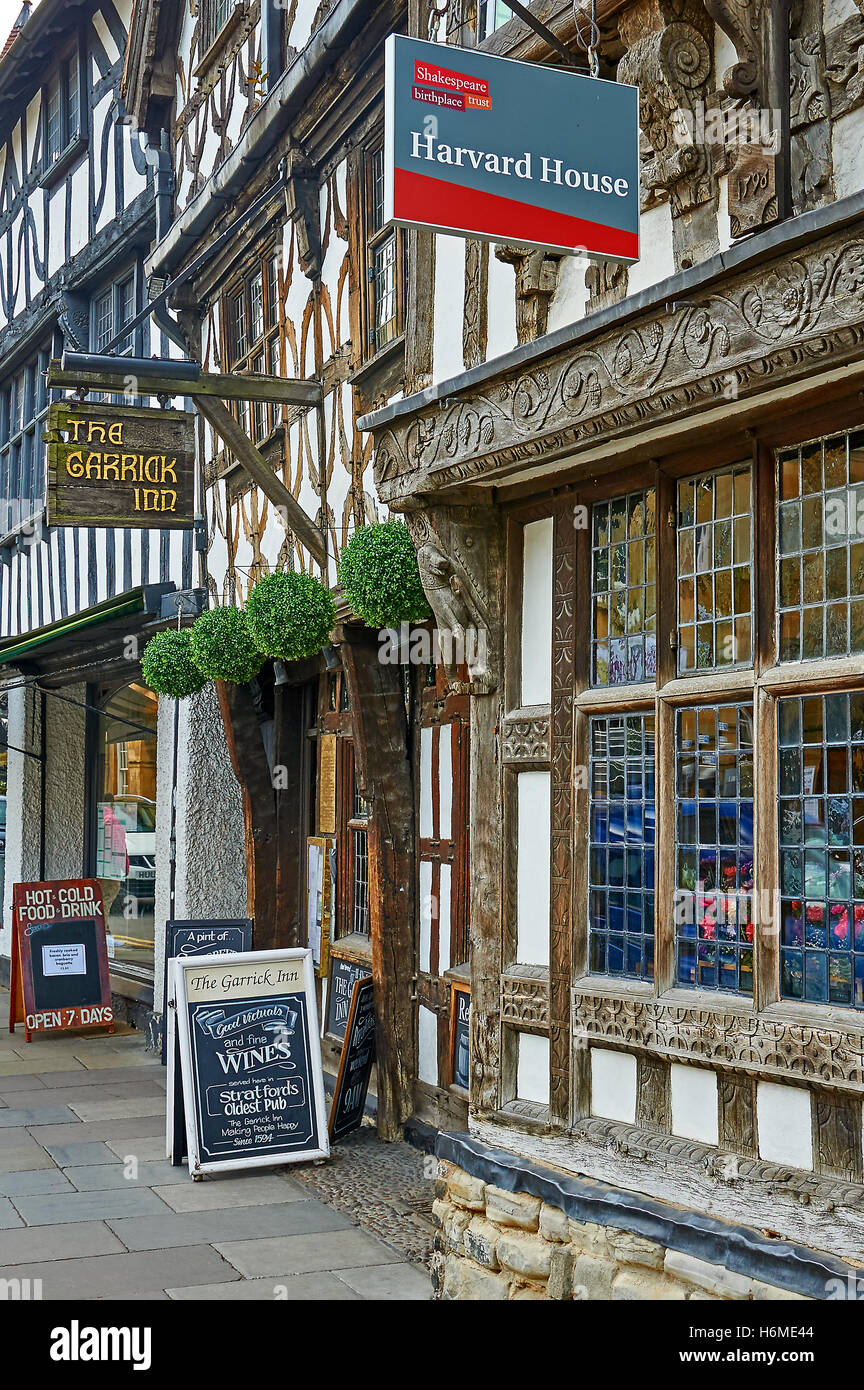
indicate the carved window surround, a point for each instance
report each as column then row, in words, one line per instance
column 525, row 998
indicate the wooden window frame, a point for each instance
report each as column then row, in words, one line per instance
column 72, row 140
column 267, row 349
column 21, row 442
column 372, row 239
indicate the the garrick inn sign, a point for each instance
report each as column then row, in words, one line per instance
column 120, row 465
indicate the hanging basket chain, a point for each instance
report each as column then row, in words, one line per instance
column 588, row 33
column 437, row 14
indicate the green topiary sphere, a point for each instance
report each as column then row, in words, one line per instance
column 222, row 646
column 167, row 664
column 380, row 578
column 290, row 616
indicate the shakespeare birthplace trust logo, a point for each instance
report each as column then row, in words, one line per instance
column 455, row 91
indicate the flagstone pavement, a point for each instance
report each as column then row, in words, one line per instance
column 90, row 1206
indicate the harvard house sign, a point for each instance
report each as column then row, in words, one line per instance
column 120, row 465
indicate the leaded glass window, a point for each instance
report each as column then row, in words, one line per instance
column 714, row 846
column 621, row 902
column 714, row 571
column 820, row 596
column 821, row 826
column 624, row 590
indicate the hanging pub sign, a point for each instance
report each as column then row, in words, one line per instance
column 355, row 1064
column 187, row 939
column 253, row 1086
column 460, row 1036
column 120, row 465
column 491, row 147
column 59, row 975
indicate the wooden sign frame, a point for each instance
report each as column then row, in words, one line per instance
column 260, row 966
column 457, row 987
column 343, row 1076
column 39, row 907
column 144, row 480
column 358, row 965
column 175, row 1114
column 325, row 843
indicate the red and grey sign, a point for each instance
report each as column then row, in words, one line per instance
column 508, row 151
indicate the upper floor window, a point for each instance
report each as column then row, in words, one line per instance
column 384, row 285
column 214, row 16
column 62, row 117
column 252, row 342
column 491, row 15
column 24, row 400
column 112, row 309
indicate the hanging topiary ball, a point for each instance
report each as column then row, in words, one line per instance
column 167, row 664
column 222, row 646
column 290, row 616
column 380, row 578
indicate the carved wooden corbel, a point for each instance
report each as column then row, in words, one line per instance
column 536, row 281
column 844, row 63
column 452, row 551
column 303, row 207
column 606, row 283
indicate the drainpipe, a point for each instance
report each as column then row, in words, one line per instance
column 159, row 158
column 272, row 58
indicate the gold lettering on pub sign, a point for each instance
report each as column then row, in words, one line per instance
column 106, row 465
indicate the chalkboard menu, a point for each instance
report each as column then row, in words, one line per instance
column 187, row 939
column 460, row 1035
column 355, row 1064
column 252, row 1080
column 59, row 977
column 344, row 974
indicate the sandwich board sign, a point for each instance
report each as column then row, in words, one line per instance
column 504, row 150
column 189, row 939
column 355, row 1064
column 59, row 968
column 253, row 1086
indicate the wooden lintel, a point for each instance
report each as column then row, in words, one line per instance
column 277, row 390
column 235, row 438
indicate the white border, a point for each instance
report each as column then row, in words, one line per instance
column 181, row 966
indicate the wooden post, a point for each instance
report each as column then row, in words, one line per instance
column 384, row 777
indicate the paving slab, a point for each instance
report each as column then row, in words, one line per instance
column 75, row 1094
column 95, row 1061
column 44, row 1115
column 128, row 1276
column 77, row 1155
column 402, row 1282
column 306, row 1288
column 102, row 1129
column 94, row 1206
column 146, row 1148
column 13, row 1065
column 25, row 1155
column 118, row 1108
column 8, row 1215
column 58, row 1243
column 243, row 1191
column 302, row 1254
column 37, row 1183
column 106, row 1077
column 10, row 1084
column 101, row 1176
column 243, row 1224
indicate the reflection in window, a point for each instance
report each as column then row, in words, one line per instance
column 821, row 811
column 126, row 822
column 624, row 589
column 714, row 843
column 714, row 559
column 621, row 907
column 821, row 525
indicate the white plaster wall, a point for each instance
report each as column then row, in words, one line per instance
column 447, row 359
column 532, row 868
column 848, row 153
column 537, row 612
column 571, row 295
column 532, row 1068
column 501, row 307
column 613, row 1085
column 783, row 1124
column 657, row 261
column 425, row 915
column 426, row 784
column 835, row 11
column 444, row 920
column 427, row 1045
column 694, row 1103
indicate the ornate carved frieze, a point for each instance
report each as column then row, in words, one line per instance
column 669, row 57
column 536, row 281
column 752, row 1043
column 525, row 738
column 525, row 1001
column 768, row 326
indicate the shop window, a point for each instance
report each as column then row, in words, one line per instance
column 821, row 830
column 124, row 813
column 714, row 570
column 624, row 589
column 621, row 921
column 384, row 259
column 714, row 847
column 252, row 344
column 24, row 400
column 821, row 538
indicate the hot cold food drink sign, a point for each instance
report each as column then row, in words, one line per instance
column 59, row 976
column 252, row 1081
